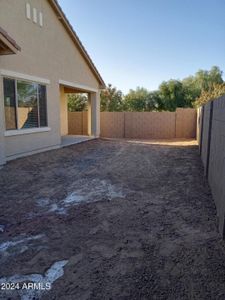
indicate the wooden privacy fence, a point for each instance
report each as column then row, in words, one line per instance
column 179, row 124
column 211, row 139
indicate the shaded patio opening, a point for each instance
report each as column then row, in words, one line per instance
column 77, row 104
column 75, row 117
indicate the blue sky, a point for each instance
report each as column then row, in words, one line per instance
column 143, row 42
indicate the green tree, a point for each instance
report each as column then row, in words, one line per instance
column 77, row 102
column 140, row 100
column 191, row 90
column 183, row 93
column 206, row 79
column 172, row 95
column 215, row 91
column 111, row 99
column 153, row 101
column 203, row 80
column 136, row 100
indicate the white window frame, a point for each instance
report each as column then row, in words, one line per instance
column 16, row 75
column 17, row 131
column 14, row 132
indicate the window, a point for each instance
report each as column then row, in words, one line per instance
column 25, row 104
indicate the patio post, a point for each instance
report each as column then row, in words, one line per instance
column 63, row 112
column 94, row 114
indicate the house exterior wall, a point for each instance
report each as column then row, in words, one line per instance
column 47, row 52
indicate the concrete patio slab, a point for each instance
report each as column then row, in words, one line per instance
column 68, row 140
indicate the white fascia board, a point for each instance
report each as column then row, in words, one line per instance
column 17, row 75
column 78, row 86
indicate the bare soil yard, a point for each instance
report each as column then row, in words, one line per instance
column 111, row 219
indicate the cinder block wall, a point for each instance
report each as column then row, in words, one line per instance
column 186, row 123
column 156, row 125
column 112, row 124
column 212, row 150
column 199, row 124
column 78, row 123
column 149, row 125
column 205, row 134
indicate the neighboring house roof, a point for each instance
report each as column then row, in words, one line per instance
column 7, row 44
column 61, row 16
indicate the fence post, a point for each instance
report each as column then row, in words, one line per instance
column 209, row 139
column 175, row 123
column 82, row 121
column 124, row 124
column 202, row 126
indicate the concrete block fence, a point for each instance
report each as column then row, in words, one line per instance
column 211, row 139
column 179, row 124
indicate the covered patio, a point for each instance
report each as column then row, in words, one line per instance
column 93, row 113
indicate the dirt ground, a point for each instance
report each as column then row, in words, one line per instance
column 110, row 219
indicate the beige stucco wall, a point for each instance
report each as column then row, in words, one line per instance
column 46, row 52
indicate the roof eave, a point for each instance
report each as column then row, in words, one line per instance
column 62, row 17
column 7, row 44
